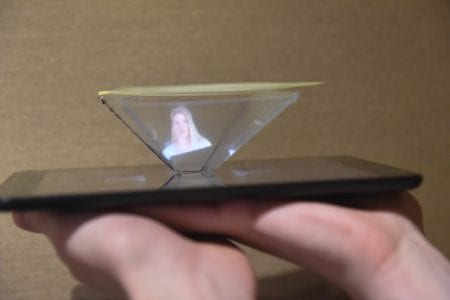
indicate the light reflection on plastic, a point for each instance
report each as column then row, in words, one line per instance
column 242, row 173
column 231, row 151
column 258, row 122
column 139, row 178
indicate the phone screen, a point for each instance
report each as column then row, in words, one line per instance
column 280, row 178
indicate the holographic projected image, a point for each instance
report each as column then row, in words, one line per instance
column 184, row 134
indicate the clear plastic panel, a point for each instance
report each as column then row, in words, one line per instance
column 196, row 128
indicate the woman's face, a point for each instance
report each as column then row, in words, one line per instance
column 180, row 126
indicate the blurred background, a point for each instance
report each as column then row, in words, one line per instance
column 386, row 65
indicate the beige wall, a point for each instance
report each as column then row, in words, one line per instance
column 386, row 65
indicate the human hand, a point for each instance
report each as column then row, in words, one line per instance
column 372, row 254
column 374, row 250
column 133, row 257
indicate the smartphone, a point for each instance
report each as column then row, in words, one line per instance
column 114, row 187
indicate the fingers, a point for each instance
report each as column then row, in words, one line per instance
column 228, row 218
column 237, row 217
column 346, row 245
column 403, row 204
column 67, row 237
column 138, row 258
column 26, row 220
column 49, row 223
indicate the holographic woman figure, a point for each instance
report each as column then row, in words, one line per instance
column 184, row 134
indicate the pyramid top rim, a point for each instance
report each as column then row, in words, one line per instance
column 208, row 89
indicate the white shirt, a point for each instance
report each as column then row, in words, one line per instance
column 174, row 149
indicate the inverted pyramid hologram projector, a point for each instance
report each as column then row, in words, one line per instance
column 195, row 128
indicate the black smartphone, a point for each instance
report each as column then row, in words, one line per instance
column 113, row 187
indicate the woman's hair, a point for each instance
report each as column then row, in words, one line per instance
column 194, row 136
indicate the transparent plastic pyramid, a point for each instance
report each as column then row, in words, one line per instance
column 195, row 128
